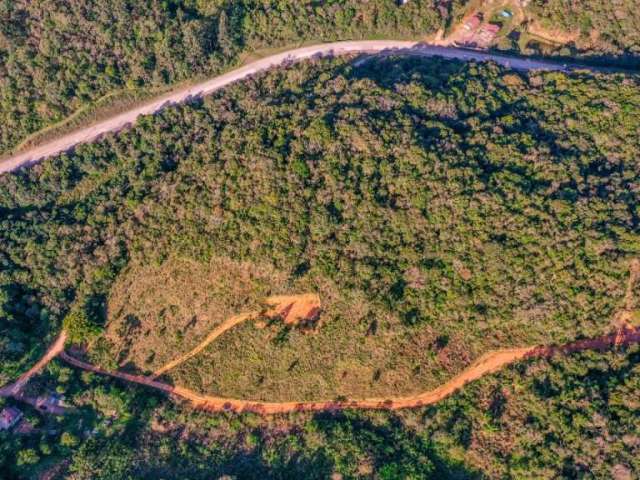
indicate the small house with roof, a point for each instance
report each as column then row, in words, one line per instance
column 9, row 416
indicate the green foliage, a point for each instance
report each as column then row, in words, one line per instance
column 550, row 419
column 446, row 198
column 68, row 440
column 79, row 327
column 27, row 457
column 604, row 27
column 57, row 56
column 564, row 417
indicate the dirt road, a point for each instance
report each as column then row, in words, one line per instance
column 292, row 307
column 118, row 122
column 486, row 364
column 55, row 349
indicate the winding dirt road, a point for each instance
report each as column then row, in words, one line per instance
column 55, row 349
column 118, row 122
column 486, row 364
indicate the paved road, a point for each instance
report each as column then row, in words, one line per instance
column 122, row 120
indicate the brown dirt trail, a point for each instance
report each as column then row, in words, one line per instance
column 291, row 308
column 486, row 364
column 215, row 333
column 54, row 350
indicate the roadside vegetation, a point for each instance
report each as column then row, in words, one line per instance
column 59, row 57
column 602, row 27
column 440, row 210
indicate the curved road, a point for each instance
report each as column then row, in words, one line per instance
column 67, row 142
column 488, row 363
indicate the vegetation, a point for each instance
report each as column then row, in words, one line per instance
column 440, row 209
column 604, row 27
column 158, row 312
column 568, row 417
column 459, row 207
column 58, row 56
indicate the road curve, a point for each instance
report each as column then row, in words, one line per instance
column 84, row 135
column 56, row 348
column 488, row 363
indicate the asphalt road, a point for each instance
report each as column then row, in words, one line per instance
column 113, row 124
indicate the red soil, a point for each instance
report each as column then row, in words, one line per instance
column 486, row 364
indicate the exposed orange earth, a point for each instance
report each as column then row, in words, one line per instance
column 295, row 309
column 488, row 363
column 291, row 308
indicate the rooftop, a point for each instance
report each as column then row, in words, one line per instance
column 9, row 416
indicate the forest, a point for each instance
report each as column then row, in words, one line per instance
column 611, row 28
column 491, row 207
column 60, row 58
column 567, row 417
column 462, row 198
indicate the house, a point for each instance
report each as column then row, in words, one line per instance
column 488, row 32
column 9, row 416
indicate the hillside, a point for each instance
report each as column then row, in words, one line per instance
column 452, row 208
column 607, row 28
column 437, row 210
column 544, row 419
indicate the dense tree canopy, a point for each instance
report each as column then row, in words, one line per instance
column 492, row 207
column 604, row 27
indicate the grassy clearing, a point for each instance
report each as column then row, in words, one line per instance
column 358, row 352
column 159, row 312
column 156, row 312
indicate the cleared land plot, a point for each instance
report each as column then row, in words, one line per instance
column 158, row 312
column 218, row 329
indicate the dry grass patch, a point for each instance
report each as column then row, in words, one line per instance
column 301, row 310
column 358, row 351
column 156, row 313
